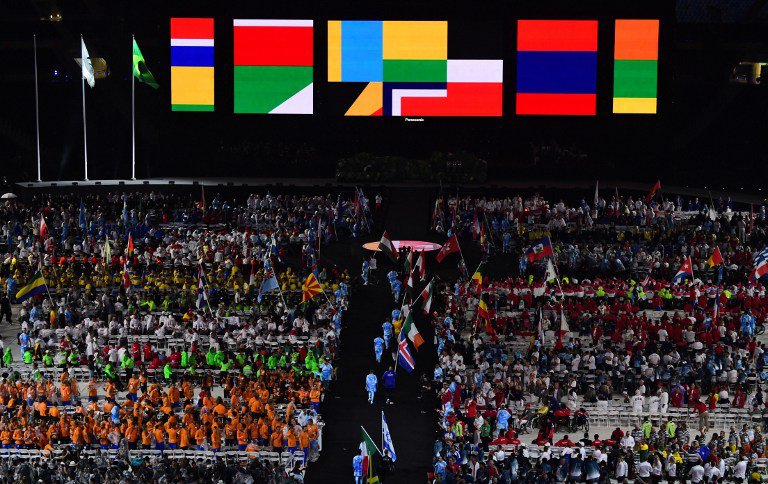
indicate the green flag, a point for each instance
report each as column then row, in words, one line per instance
column 140, row 69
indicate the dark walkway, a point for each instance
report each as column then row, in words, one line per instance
column 347, row 409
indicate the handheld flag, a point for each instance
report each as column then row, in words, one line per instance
column 269, row 284
column 421, row 263
column 125, row 214
column 130, row 247
column 541, row 249
column 310, row 288
column 33, row 288
column 43, row 229
column 426, row 294
column 369, row 451
column 126, row 276
column 564, row 329
column 482, row 309
column 252, row 279
column 550, row 274
column 655, row 188
column 451, row 245
column 477, row 277
column 202, row 296
column 386, row 246
column 87, row 67
column 409, row 328
column 541, row 327
column 715, row 259
column 685, row 272
column 386, row 439
column 475, row 227
column 107, row 251
column 81, row 217
column 761, row 265
column 597, row 198
column 140, row 69
column 404, row 357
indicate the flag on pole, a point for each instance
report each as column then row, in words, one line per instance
column 386, row 246
column 475, row 227
column 685, row 272
column 597, row 198
column 36, row 286
column 761, row 265
column 409, row 328
column 269, row 284
column 404, row 357
column 369, row 451
column 541, row 327
column 43, row 229
column 87, row 67
column 655, row 188
column 551, row 273
column 451, row 245
column 564, row 329
column 140, row 69
column 716, row 258
column 426, row 294
column 541, row 249
column 409, row 262
column 126, row 276
column 310, row 288
column 482, row 309
column 202, row 296
column 252, row 279
column 107, row 251
column 386, row 439
column 130, row 248
column 81, row 217
column 477, row 277
column 421, row 263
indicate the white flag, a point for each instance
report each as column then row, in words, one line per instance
column 551, row 274
column 386, row 438
column 596, row 197
column 86, row 64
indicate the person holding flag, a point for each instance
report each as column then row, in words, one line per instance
column 357, row 467
column 386, row 440
column 685, row 272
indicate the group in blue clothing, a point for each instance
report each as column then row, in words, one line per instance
column 371, row 382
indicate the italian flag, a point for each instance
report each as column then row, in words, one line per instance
column 369, row 450
column 412, row 332
column 386, row 246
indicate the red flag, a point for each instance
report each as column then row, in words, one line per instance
column 451, row 245
column 130, row 245
column 715, row 259
column 43, row 229
column 475, row 227
column 126, row 277
column 653, row 191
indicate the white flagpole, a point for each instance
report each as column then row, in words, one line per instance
column 37, row 112
column 133, row 118
column 85, row 129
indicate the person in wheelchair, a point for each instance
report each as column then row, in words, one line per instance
column 580, row 417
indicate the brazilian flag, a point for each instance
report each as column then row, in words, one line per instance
column 140, row 69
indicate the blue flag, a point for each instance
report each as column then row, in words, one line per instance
column 386, row 438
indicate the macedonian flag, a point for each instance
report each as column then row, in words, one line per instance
column 310, row 288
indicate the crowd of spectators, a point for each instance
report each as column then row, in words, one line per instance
column 670, row 373
column 171, row 325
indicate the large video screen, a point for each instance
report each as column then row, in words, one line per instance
column 273, row 66
column 192, row 66
column 636, row 59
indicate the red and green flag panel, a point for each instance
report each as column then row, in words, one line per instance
column 635, row 70
column 273, row 66
column 192, row 64
column 407, row 72
column 556, row 67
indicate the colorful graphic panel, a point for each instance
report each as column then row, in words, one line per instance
column 556, row 67
column 635, row 70
column 273, row 66
column 407, row 70
column 192, row 64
